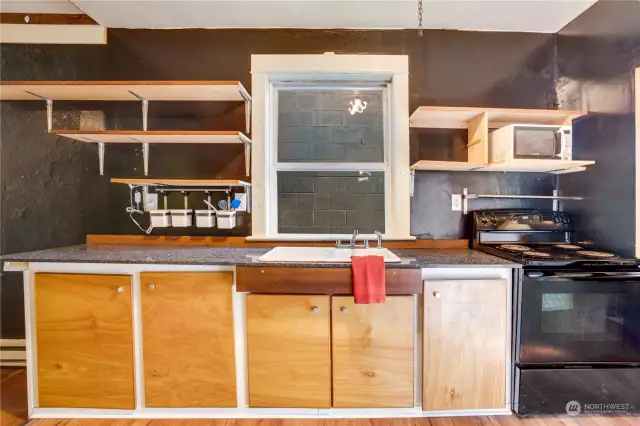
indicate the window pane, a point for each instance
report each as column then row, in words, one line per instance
column 319, row 126
column 330, row 202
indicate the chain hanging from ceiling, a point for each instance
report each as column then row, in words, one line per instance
column 420, row 18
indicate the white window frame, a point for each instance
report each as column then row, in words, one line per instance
column 270, row 70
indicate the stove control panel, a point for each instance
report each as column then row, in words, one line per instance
column 522, row 221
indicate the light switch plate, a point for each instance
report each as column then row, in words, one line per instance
column 243, row 201
column 456, row 202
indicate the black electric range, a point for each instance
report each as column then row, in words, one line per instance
column 576, row 315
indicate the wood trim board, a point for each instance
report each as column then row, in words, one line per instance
column 183, row 182
column 153, row 136
column 460, row 117
column 160, row 90
column 47, row 19
column 278, row 280
column 209, row 241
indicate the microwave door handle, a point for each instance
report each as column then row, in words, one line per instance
column 558, row 139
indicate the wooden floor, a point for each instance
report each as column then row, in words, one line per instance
column 13, row 405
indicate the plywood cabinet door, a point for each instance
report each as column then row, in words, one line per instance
column 84, row 341
column 288, row 346
column 187, row 333
column 373, row 348
column 465, row 344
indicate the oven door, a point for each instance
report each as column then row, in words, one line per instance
column 578, row 318
column 539, row 142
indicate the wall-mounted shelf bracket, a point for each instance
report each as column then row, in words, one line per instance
column 145, row 109
column 145, row 155
column 164, row 186
column 247, row 107
column 412, row 181
column 247, row 153
column 101, row 146
column 555, row 197
column 49, row 109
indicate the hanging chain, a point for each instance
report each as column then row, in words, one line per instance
column 420, row 18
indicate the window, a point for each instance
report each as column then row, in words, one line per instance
column 330, row 146
column 330, row 159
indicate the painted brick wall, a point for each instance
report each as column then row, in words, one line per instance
column 330, row 202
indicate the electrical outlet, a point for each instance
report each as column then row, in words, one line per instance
column 456, row 202
column 151, row 202
column 243, row 201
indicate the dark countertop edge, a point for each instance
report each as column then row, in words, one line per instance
column 419, row 260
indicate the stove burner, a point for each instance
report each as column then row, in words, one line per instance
column 538, row 254
column 517, row 248
column 568, row 247
column 595, row 254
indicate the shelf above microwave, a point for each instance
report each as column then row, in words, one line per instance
column 528, row 166
column 439, row 117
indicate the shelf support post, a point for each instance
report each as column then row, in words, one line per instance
column 555, row 200
column 145, row 157
column 145, row 154
column 464, row 200
column 412, row 177
column 247, row 154
column 247, row 190
column 49, row 109
column 101, row 146
column 247, row 108
column 101, row 157
column 145, row 109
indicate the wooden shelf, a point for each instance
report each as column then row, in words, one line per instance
column 459, row 117
column 121, row 90
column 533, row 166
column 540, row 166
column 452, row 166
column 154, row 136
column 184, row 182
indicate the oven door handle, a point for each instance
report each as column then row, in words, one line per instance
column 600, row 275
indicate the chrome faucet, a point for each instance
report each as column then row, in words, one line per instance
column 352, row 243
column 379, row 237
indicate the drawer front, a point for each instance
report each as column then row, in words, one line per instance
column 290, row 280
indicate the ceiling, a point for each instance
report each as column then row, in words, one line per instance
column 546, row 16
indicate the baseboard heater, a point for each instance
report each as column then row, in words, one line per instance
column 13, row 353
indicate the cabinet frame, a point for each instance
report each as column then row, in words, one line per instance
column 28, row 269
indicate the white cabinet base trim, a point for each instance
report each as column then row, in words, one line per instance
column 263, row 413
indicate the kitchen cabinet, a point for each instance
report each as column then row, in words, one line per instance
column 465, row 344
column 188, row 344
column 372, row 348
column 288, row 349
column 84, row 341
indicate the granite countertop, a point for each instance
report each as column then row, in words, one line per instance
column 186, row 255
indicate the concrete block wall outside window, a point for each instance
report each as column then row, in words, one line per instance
column 330, row 202
column 316, row 126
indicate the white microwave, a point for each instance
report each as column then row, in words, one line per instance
column 530, row 141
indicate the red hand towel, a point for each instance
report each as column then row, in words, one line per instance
column 368, row 279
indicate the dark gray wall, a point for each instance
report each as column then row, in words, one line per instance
column 597, row 55
column 50, row 189
column 52, row 194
